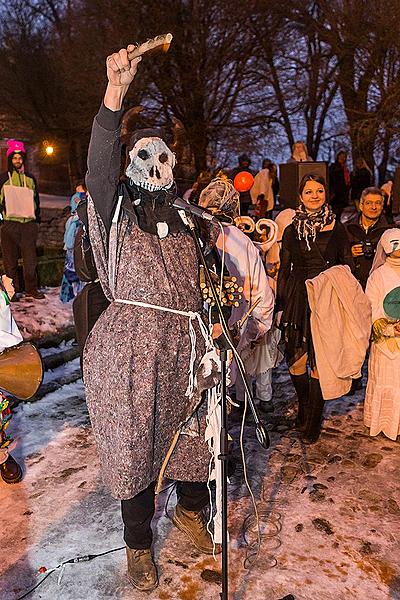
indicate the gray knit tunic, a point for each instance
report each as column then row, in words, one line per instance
column 136, row 360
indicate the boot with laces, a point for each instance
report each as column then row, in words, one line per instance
column 142, row 572
column 195, row 526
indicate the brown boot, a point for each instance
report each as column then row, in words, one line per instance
column 10, row 471
column 195, row 526
column 142, row 572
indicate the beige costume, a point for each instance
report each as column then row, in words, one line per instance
column 340, row 327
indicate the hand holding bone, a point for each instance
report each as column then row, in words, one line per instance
column 120, row 73
column 120, row 70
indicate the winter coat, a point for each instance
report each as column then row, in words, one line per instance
column 359, row 180
column 339, row 187
column 358, row 235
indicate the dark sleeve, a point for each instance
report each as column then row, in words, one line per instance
column 350, row 233
column 104, row 157
column 285, row 259
column 344, row 248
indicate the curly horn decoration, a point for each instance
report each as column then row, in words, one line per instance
column 270, row 225
column 245, row 224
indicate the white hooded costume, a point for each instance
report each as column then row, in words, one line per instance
column 382, row 399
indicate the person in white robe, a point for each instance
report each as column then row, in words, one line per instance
column 382, row 399
column 242, row 260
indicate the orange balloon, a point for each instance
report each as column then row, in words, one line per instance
column 243, row 181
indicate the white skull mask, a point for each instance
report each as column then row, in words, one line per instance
column 151, row 164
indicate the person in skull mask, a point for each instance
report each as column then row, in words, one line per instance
column 138, row 354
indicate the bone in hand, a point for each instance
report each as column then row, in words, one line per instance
column 161, row 42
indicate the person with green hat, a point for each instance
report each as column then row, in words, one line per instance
column 382, row 399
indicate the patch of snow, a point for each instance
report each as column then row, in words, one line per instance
column 329, row 512
column 36, row 318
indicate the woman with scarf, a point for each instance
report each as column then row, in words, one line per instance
column 382, row 399
column 313, row 242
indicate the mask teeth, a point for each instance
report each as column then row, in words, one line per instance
column 151, row 187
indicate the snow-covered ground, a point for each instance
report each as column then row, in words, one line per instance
column 329, row 513
column 36, row 318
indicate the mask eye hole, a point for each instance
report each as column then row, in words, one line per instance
column 143, row 154
column 163, row 157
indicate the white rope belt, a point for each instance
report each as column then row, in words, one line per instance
column 191, row 315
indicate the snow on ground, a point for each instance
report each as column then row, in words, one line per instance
column 36, row 318
column 329, row 513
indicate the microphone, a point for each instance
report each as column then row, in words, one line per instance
column 192, row 209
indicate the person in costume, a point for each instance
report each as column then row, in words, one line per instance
column 141, row 358
column 71, row 285
column 382, row 399
column 243, row 261
column 10, row 470
column 313, row 242
column 20, row 206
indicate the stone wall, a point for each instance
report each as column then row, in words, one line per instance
column 52, row 227
column 49, row 247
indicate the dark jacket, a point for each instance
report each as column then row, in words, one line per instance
column 338, row 187
column 357, row 235
column 90, row 302
column 359, row 180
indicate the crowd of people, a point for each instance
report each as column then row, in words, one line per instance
column 321, row 295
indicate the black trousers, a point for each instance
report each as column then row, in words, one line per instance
column 15, row 238
column 137, row 512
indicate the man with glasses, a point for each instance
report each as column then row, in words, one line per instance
column 364, row 231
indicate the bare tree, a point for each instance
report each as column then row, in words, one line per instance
column 297, row 70
column 364, row 37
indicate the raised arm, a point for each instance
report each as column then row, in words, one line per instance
column 104, row 154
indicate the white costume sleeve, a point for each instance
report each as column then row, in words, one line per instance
column 374, row 293
column 9, row 332
column 243, row 260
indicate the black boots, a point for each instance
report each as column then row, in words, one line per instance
column 314, row 413
column 10, row 471
column 301, row 385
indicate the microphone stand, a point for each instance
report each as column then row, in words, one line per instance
column 261, row 432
